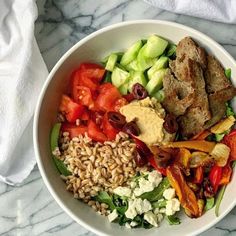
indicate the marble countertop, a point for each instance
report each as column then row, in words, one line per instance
column 29, row 209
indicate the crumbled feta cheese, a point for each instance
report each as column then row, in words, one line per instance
column 155, row 178
column 133, row 223
column 169, row 193
column 142, row 206
column 147, row 185
column 131, row 211
column 172, row 206
column 137, row 207
column 133, row 184
column 162, row 210
column 111, row 217
column 160, row 217
column 151, row 218
column 122, row 191
column 127, row 225
column 156, row 211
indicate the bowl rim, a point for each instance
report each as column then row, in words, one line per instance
column 48, row 80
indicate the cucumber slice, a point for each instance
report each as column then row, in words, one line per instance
column 107, row 78
column 111, row 62
column 119, row 77
column 119, row 55
column 131, row 53
column 155, row 46
column 155, row 83
column 124, row 88
column 132, row 66
column 171, row 50
column 161, row 63
column 144, row 62
column 159, row 95
column 136, row 77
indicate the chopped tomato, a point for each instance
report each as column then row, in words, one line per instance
column 120, row 103
column 95, row 133
column 85, row 116
column 83, row 95
column 230, row 141
column 108, row 129
column 71, row 109
column 108, row 94
column 97, row 117
column 92, row 70
column 74, row 130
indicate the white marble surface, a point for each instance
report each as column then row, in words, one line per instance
column 29, row 209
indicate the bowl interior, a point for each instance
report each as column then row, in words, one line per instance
column 94, row 48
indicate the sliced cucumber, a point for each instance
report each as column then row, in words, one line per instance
column 131, row 53
column 155, row 83
column 133, row 65
column 119, row 55
column 136, row 77
column 124, row 88
column 155, row 46
column 119, row 77
column 159, row 95
column 111, row 62
column 161, row 63
column 144, row 62
column 171, row 50
column 107, row 78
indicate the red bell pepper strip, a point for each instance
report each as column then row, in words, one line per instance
column 198, row 175
column 226, row 174
column 215, row 176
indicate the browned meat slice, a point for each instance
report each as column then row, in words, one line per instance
column 188, row 48
column 192, row 122
column 178, row 95
column 217, row 104
column 215, row 76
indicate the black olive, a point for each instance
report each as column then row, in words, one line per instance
column 163, row 159
column 140, row 159
column 131, row 128
column 170, row 124
column 116, row 119
column 139, row 91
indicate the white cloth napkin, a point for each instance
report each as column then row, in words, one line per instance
column 22, row 73
column 216, row 10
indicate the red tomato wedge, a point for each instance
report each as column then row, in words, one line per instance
column 71, row 109
column 74, row 130
column 92, row 70
column 95, row 133
column 108, row 94
column 108, row 129
column 83, row 95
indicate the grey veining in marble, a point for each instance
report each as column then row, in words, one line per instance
column 29, row 209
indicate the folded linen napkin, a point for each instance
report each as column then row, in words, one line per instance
column 22, row 73
column 216, row 10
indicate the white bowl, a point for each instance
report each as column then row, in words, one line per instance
column 93, row 48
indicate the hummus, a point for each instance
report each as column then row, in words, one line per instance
column 149, row 116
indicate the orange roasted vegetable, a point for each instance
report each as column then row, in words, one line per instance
column 200, row 145
column 202, row 135
column 186, row 196
column 226, row 174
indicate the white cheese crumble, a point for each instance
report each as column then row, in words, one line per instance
column 133, row 223
column 112, row 216
column 169, row 193
column 154, row 178
column 151, row 218
column 137, row 207
column 127, row 225
column 172, row 206
column 122, row 191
